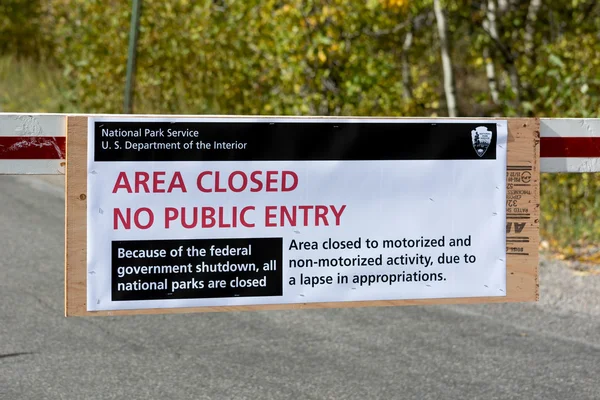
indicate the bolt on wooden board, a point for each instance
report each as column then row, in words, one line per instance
column 521, row 204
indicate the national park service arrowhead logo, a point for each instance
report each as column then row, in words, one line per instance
column 481, row 138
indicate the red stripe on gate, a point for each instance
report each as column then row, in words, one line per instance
column 53, row 148
column 570, row 147
column 32, row 148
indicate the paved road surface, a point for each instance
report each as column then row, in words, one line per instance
column 548, row 350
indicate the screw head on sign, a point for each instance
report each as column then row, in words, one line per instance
column 82, row 197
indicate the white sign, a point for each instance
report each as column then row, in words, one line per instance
column 247, row 211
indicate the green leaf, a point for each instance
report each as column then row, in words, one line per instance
column 555, row 60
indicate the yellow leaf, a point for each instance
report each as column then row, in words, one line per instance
column 395, row 3
column 586, row 273
column 322, row 56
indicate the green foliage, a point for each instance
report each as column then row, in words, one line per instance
column 570, row 208
column 26, row 86
column 253, row 57
column 568, row 84
column 22, row 26
column 340, row 57
column 90, row 43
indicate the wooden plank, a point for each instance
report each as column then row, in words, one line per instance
column 522, row 230
column 75, row 216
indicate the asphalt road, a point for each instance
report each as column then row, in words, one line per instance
column 547, row 350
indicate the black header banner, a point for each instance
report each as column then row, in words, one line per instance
column 293, row 141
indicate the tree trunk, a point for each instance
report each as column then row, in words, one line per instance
column 510, row 73
column 490, row 72
column 515, row 81
column 502, row 6
column 406, row 75
column 534, row 7
column 490, row 24
column 449, row 88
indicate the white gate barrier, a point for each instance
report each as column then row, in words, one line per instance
column 35, row 144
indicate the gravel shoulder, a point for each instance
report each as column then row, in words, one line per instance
column 565, row 288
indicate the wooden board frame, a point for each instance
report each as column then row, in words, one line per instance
column 523, row 176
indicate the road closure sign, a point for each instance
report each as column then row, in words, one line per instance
column 211, row 212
